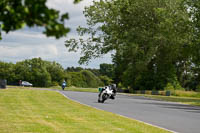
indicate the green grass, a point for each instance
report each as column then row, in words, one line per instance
column 181, row 93
column 76, row 89
column 188, row 99
column 185, row 97
column 180, row 96
column 184, row 100
column 42, row 111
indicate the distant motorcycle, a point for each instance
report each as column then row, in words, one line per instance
column 64, row 84
column 107, row 92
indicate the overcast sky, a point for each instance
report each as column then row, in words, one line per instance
column 29, row 43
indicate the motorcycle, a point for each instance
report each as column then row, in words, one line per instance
column 107, row 92
column 63, row 85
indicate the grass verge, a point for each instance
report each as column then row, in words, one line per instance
column 181, row 93
column 184, row 97
column 184, row 100
column 24, row 110
column 76, row 89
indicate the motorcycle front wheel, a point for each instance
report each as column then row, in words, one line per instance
column 104, row 97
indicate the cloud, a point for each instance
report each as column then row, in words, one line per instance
column 68, row 6
column 27, row 51
column 30, row 42
column 75, row 10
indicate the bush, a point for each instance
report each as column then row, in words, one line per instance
column 106, row 80
column 198, row 88
column 169, row 87
column 91, row 79
column 54, row 83
column 67, row 78
column 187, row 93
column 77, row 79
column 178, row 87
column 83, row 78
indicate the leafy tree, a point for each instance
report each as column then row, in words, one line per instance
column 91, row 79
column 149, row 38
column 7, row 72
column 83, row 78
column 23, row 71
column 56, row 72
column 34, row 71
column 15, row 14
column 106, row 80
column 76, row 79
column 188, row 69
column 45, row 73
column 94, row 71
column 74, row 69
column 41, row 77
column 107, row 70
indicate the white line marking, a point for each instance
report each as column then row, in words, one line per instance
column 118, row 114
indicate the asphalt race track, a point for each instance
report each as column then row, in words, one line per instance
column 172, row 116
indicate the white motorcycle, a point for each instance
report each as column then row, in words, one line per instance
column 107, row 92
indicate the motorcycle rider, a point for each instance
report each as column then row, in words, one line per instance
column 111, row 87
column 64, row 84
column 114, row 88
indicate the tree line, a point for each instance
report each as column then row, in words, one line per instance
column 43, row 73
column 155, row 42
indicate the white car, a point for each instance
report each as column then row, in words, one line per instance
column 25, row 83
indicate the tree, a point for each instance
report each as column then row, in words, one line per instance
column 190, row 76
column 94, row 71
column 56, row 72
column 83, row 78
column 15, row 14
column 149, row 38
column 34, row 71
column 74, row 69
column 43, row 73
column 7, row 72
column 106, row 80
column 107, row 70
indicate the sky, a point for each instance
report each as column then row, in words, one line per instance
column 29, row 43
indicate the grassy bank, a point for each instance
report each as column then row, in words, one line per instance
column 180, row 96
column 76, row 89
column 185, row 97
column 41, row 111
column 180, row 93
column 184, row 100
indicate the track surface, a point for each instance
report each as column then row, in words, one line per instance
column 172, row 116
